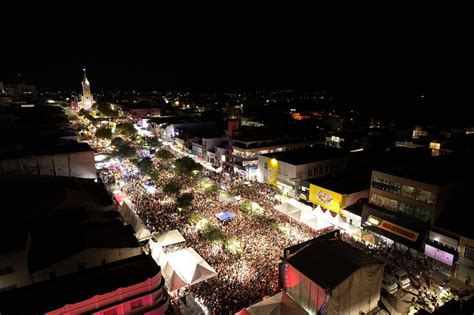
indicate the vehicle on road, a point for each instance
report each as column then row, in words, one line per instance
column 402, row 278
column 389, row 283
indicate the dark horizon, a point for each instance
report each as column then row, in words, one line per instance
column 384, row 57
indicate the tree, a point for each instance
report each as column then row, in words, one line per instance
column 104, row 133
column 171, row 188
column 126, row 129
column 164, row 154
column 118, row 141
column 105, row 109
column 125, row 150
column 186, row 166
column 233, row 246
column 152, row 142
column 145, row 165
column 184, row 201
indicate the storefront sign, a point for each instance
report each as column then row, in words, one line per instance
column 393, row 228
column 325, row 198
column 272, row 172
column 439, row 255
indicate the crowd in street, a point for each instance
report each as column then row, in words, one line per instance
column 248, row 276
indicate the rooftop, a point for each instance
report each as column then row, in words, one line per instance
column 61, row 215
column 307, row 155
column 50, row 295
column 329, row 262
column 344, row 183
column 436, row 170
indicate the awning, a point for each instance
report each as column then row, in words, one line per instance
column 225, row 216
column 190, row 266
column 169, row 238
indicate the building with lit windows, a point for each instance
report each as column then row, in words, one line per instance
column 288, row 169
column 408, row 195
column 87, row 100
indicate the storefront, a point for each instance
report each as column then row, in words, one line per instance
column 400, row 229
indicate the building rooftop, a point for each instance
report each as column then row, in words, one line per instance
column 435, row 170
column 307, row 155
column 50, row 295
column 344, row 183
column 61, row 216
column 329, row 262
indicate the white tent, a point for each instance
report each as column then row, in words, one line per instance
column 278, row 304
column 169, row 238
column 173, row 280
column 191, row 267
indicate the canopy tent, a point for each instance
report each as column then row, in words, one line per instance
column 190, row 266
column 169, row 238
column 304, row 214
column 129, row 215
column 173, row 280
column 225, row 216
column 278, row 304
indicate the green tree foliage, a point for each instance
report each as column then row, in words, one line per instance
column 171, row 188
column 105, row 109
column 86, row 114
column 186, row 166
column 164, row 154
column 126, row 129
column 104, row 133
column 125, row 150
column 211, row 233
column 117, row 142
column 152, row 142
column 233, row 246
column 194, row 218
column 184, row 201
column 145, row 165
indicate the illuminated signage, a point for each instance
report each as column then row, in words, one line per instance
column 393, row 228
column 272, row 172
column 439, row 255
column 325, row 198
column 249, row 163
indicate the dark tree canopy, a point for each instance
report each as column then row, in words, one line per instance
column 126, row 129
column 185, row 200
column 186, row 166
column 164, row 154
column 104, row 133
column 171, row 188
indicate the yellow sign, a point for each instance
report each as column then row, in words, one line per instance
column 326, row 198
column 272, row 172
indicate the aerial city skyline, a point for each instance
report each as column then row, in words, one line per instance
column 236, row 161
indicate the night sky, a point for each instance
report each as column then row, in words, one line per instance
column 368, row 56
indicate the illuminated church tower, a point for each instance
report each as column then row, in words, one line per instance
column 87, row 99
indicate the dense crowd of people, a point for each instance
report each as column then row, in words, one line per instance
column 248, row 276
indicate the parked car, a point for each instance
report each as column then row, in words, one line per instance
column 389, row 283
column 402, row 278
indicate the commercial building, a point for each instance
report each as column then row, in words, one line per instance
column 53, row 226
column 129, row 286
column 335, row 193
column 247, row 147
column 328, row 276
column 409, row 194
column 286, row 170
column 40, row 141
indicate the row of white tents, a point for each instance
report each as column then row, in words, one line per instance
column 180, row 268
column 315, row 218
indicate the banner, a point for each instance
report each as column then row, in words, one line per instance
column 272, row 172
column 326, row 198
